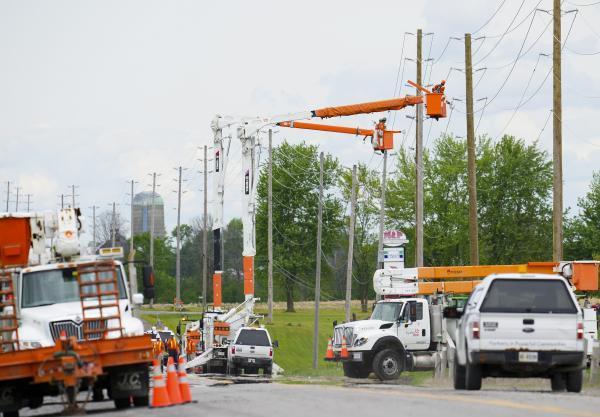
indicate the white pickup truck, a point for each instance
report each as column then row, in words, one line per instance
column 250, row 351
column 521, row 325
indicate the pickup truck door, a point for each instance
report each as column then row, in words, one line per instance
column 414, row 333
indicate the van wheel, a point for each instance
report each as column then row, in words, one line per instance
column 557, row 382
column 574, row 381
column 387, row 365
column 459, row 374
column 472, row 377
column 356, row 370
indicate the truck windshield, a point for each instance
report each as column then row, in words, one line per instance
column 386, row 311
column 528, row 296
column 253, row 338
column 42, row 288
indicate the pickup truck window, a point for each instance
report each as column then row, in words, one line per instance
column 528, row 296
column 54, row 286
column 253, row 338
column 386, row 311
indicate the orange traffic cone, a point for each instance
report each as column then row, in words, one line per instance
column 329, row 354
column 160, row 396
column 184, row 385
column 344, row 352
column 173, row 383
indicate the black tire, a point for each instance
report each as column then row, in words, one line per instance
column 141, row 401
column 97, row 394
column 459, row 376
column 387, row 365
column 268, row 370
column 574, row 380
column 10, row 413
column 356, row 370
column 121, row 403
column 558, row 383
column 472, row 377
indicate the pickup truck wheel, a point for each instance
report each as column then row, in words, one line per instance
column 141, row 401
column 459, row 374
column 574, row 381
column 557, row 382
column 121, row 403
column 268, row 370
column 472, row 377
column 356, row 370
column 387, row 365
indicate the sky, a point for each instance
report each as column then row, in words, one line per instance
column 99, row 93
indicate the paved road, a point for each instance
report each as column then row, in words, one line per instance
column 225, row 399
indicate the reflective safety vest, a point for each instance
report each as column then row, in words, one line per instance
column 172, row 344
column 157, row 348
column 192, row 341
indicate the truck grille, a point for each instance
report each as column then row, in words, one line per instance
column 76, row 329
column 339, row 332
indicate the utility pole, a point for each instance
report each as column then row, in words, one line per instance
column 205, row 233
column 350, row 246
column 17, row 199
column 471, row 163
column 28, row 201
column 382, row 212
column 178, row 252
column 419, row 159
column 270, row 231
column 318, row 273
column 73, row 195
column 62, row 201
column 557, row 206
column 113, row 226
column 152, row 221
column 132, row 269
column 94, row 242
column 7, row 194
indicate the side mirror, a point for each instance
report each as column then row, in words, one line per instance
column 275, row 343
column 334, row 323
column 148, row 281
column 452, row 312
column 137, row 299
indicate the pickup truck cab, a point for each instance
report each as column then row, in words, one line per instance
column 521, row 325
column 250, row 351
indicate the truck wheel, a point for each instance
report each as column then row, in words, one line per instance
column 141, row 401
column 557, row 382
column 355, row 370
column 268, row 370
column 121, row 403
column 574, row 380
column 387, row 365
column 459, row 374
column 472, row 377
column 10, row 414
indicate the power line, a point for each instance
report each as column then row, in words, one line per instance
column 490, row 18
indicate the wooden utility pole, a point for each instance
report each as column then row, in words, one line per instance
column 28, row 201
column 73, row 195
column 382, row 212
column 113, row 225
column 318, row 272
column 178, row 243
column 270, row 231
column 471, row 164
column 557, row 206
column 419, row 158
column 152, row 221
column 205, row 233
column 94, row 242
column 132, row 269
column 7, row 194
column 348, row 306
column 17, row 199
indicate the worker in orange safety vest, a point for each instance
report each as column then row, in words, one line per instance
column 173, row 349
column 158, row 350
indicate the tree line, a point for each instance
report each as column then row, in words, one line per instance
column 514, row 185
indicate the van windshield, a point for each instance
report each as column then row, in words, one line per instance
column 42, row 288
column 528, row 296
column 253, row 338
column 386, row 311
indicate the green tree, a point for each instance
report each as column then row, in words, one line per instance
column 164, row 265
column 295, row 202
column 582, row 232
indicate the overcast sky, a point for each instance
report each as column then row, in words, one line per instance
column 96, row 93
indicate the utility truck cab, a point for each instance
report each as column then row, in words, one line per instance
column 49, row 303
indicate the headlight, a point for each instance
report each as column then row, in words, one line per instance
column 361, row 341
column 29, row 344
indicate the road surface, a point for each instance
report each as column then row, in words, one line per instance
column 226, row 399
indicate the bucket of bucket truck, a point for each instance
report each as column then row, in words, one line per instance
column 396, row 282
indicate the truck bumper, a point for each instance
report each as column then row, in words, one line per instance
column 353, row 356
column 254, row 362
column 547, row 361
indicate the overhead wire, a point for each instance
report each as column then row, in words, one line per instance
column 487, row 22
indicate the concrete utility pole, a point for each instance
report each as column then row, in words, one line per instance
column 318, row 273
column 113, row 226
column 270, row 231
column 471, row 163
column 419, row 158
column 152, row 221
column 178, row 250
column 557, row 206
column 205, row 233
column 17, row 199
column 7, row 194
column 132, row 269
column 94, row 242
column 382, row 212
column 348, row 306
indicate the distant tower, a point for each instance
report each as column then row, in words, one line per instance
column 142, row 213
